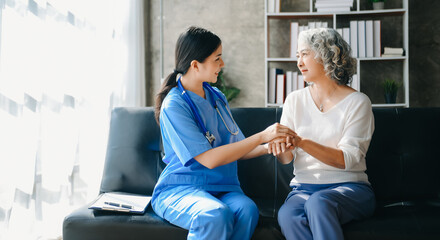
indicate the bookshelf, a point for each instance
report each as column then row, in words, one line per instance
column 371, row 71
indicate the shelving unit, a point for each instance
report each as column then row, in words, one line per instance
column 371, row 71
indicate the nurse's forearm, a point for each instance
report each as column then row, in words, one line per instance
column 225, row 154
column 256, row 152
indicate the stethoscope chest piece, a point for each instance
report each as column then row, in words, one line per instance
column 209, row 136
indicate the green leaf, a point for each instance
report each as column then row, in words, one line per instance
column 230, row 92
column 391, row 86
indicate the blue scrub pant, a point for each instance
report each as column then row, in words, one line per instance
column 208, row 215
column 317, row 211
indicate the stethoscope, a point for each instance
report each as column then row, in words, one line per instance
column 209, row 136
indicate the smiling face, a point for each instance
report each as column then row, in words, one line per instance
column 212, row 65
column 310, row 68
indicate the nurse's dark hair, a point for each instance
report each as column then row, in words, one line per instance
column 194, row 44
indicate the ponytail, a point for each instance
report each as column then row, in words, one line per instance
column 166, row 87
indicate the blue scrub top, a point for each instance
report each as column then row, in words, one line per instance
column 183, row 140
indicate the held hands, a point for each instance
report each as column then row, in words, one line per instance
column 276, row 132
column 282, row 145
column 280, row 139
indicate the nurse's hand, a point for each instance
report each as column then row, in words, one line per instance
column 276, row 131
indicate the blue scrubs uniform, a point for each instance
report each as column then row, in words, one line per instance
column 207, row 202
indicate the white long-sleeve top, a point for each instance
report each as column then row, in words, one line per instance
column 348, row 126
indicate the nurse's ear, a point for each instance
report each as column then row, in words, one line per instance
column 195, row 65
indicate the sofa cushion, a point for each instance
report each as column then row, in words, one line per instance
column 409, row 220
column 87, row 224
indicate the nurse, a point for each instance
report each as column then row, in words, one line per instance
column 199, row 188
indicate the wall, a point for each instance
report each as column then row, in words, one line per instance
column 240, row 25
column 424, row 54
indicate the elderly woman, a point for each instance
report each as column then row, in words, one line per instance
column 334, row 124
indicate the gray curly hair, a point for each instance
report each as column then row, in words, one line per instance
column 332, row 51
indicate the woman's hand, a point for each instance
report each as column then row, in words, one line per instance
column 281, row 145
column 276, row 131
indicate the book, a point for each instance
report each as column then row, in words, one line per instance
column 369, row 38
column 121, row 202
column 281, row 88
column 295, row 80
column 391, row 55
column 354, row 38
column 270, row 6
column 335, row 1
column 340, row 31
column 294, row 31
column 346, row 35
column 333, row 9
column 348, row 2
column 273, row 72
column 301, row 83
column 355, row 83
column 332, row 4
column 377, row 38
column 361, row 39
column 289, row 82
column 277, row 6
column 394, row 51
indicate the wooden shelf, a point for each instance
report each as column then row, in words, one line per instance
column 274, row 31
column 385, row 105
column 305, row 15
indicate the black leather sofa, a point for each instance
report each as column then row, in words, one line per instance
column 403, row 167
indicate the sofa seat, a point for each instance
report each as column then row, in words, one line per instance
column 87, row 224
column 399, row 221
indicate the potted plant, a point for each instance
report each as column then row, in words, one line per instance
column 390, row 87
column 230, row 92
column 378, row 4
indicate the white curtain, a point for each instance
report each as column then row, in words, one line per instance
column 64, row 64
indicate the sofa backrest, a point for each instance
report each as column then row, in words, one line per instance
column 264, row 179
column 133, row 155
column 403, row 160
column 257, row 175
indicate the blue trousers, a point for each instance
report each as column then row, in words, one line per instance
column 208, row 215
column 317, row 211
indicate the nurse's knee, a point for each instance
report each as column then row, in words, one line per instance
column 221, row 217
column 250, row 211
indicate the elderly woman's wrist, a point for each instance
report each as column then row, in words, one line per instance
column 301, row 142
